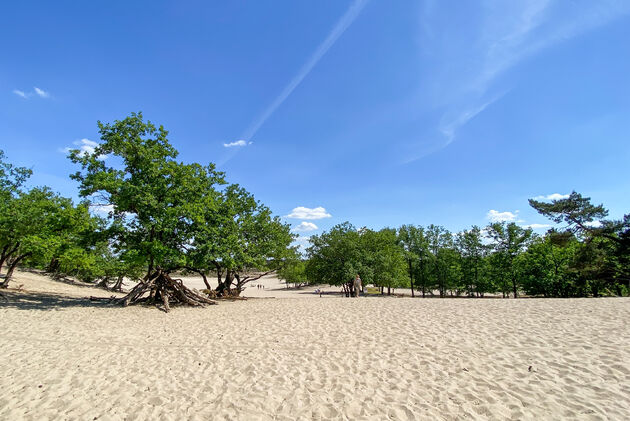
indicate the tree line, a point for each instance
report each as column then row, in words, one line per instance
column 590, row 256
column 161, row 216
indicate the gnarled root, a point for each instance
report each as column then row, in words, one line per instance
column 162, row 288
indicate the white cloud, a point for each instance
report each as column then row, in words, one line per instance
column 238, row 143
column 537, row 226
column 496, row 216
column 302, row 212
column 302, row 243
column 20, row 93
column 85, row 146
column 102, row 209
column 553, row 196
column 305, row 226
column 41, row 92
column 593, row 224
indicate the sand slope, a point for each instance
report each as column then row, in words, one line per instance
column 305, row 357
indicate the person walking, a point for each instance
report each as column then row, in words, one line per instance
column 357, row 285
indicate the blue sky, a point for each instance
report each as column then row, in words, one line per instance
column 377, row 112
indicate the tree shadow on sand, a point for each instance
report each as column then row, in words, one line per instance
column 22, row 300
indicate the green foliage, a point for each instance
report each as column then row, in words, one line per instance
column 170, row 215
column 509, row 241
column 11, row 177
column 601, row 260
column 157, row 201
column 575, row 210
column 545, row 268
column 473, row 262
column 293, row 272
column 335, row 257
column 382, row 259
column 239, row 236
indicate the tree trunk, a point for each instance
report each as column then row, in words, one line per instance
column 389, row 291
column 411, row 277
column 224, row 287
column 12, row 267
column 119, row 283
column 514, row 287
column 6, row 253
column 205, row 280
column 3, row 256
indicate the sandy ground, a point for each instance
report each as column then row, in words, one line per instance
column 299, row 356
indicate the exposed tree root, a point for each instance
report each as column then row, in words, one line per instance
column 161, row 288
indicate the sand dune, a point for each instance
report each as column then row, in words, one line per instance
column 299, row 356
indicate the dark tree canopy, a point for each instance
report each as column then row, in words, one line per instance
column 576, row 211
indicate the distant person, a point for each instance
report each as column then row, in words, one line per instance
column 357, row 285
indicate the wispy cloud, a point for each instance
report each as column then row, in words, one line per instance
column 36, row 91
column 238, row 144
column 41, row 92
column 302, row 212
column 553, row 196
column 496, row 216
column 448, row 127
column 305, row 227
column 340, row 27
column 20, row 93
column 466, row 78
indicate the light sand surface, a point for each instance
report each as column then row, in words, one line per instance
column 300, row 356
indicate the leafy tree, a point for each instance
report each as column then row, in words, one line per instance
column 443, row 269
column 576, row 211
column 415, row 246
column 383, row 255
column 605, row 261
column 38, row 226
column 546, row 267
column 335, row 258
column 473, row 251
column 509, row 240
column 11, row 180
column 293, row 272
column 157, row 199
column 241, row 240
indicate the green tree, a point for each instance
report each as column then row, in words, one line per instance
column 546, row 267
column 293, row 272
column 606, row 261
column 12, row 179
column 472, row 252
column 444, row 268
column 415, row 246
column 38, row 226
column 242, row 241
column 157, row 200
column 509, row 240
column 335, row 257
column 381, row 252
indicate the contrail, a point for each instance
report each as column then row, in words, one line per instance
column 343, row 24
